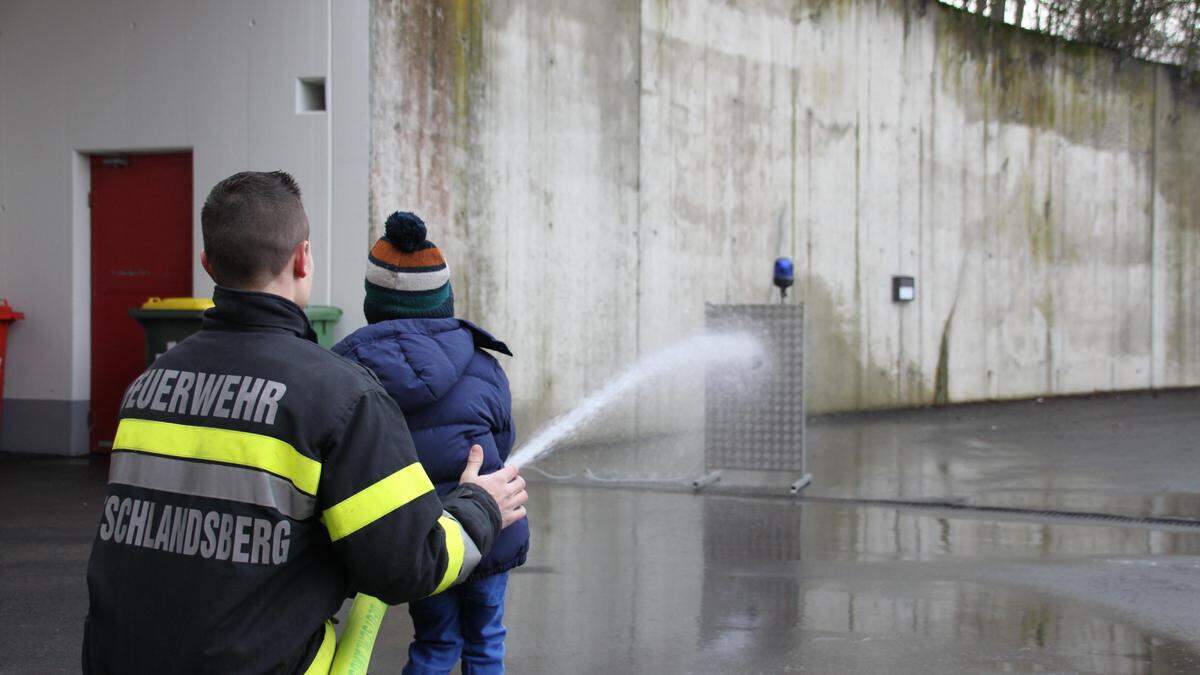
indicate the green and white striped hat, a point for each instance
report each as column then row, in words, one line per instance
column 407, row 276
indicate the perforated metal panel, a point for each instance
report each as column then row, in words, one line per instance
column 760, row 426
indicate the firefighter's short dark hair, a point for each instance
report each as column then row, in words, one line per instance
column 251, row 223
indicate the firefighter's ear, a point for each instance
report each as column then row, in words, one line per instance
column 205, row 265
column 302, row 262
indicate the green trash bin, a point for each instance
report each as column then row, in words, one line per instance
column 323, row 319
column 167, row 321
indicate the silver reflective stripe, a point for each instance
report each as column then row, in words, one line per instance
column 217, row 481
column 471, row 555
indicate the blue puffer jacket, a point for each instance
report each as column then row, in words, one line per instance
column 453, row 395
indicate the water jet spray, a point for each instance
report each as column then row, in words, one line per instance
column 697, row 351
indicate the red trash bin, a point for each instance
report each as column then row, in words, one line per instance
column 7, row 316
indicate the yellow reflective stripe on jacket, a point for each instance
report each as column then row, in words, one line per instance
column 323, row 661
column 220, row 445
column 454, row 551
column 365, row 507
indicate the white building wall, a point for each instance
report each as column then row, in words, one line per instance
column 217, row 78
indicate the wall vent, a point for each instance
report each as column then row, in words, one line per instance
column 310, row 95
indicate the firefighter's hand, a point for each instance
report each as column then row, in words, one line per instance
column 505, row 486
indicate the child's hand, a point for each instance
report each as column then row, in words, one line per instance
column 505, row 486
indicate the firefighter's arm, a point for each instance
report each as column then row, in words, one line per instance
column 398, row 540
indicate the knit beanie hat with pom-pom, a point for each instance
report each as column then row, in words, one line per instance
column 407, row 276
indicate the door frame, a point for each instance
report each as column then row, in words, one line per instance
column 81, row 260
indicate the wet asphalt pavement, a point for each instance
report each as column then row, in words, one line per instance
column 1129, row 454
column 652, row 581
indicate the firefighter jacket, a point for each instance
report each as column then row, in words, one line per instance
column 256, row 481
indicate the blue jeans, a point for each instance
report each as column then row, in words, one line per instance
column 464, row 621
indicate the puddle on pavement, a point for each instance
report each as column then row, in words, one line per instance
column 1130, row 455
column 639, row 581
column 645, row 581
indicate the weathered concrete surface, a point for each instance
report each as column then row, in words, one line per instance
column 599, row 171
column 1176, row 232
column 513, row 131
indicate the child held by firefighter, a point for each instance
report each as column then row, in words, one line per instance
column 454, row 394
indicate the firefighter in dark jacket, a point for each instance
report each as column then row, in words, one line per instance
column 257, row 480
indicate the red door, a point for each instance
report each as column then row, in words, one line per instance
column 141, row 247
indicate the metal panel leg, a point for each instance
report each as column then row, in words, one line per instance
column 802, row 483
column 706, row 480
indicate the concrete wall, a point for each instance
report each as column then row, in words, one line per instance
column 216, row 78
column 596, row 172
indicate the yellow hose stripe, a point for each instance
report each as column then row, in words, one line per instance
column 365, row 507
column 220, row 445
column 454, row 551
column 324, row 658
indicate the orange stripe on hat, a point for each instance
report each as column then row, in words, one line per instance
column 385, row 252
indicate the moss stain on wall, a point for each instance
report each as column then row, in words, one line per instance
column 941, row 385
column 836, row 378
column 993, row 76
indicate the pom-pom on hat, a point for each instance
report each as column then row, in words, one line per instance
column 407, row 276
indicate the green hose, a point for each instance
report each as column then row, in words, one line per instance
column 353, row 654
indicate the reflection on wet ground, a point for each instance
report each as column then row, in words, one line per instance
column 639, row 581
column 1130, row 454
column 1127, row 454
column 646, row 581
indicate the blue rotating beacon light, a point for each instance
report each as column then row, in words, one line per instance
column 785, row 276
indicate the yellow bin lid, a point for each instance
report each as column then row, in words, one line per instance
column 185, row 304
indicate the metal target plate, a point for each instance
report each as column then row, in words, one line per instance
column 760, row 426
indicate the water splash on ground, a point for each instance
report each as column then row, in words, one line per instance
column 699, row 351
